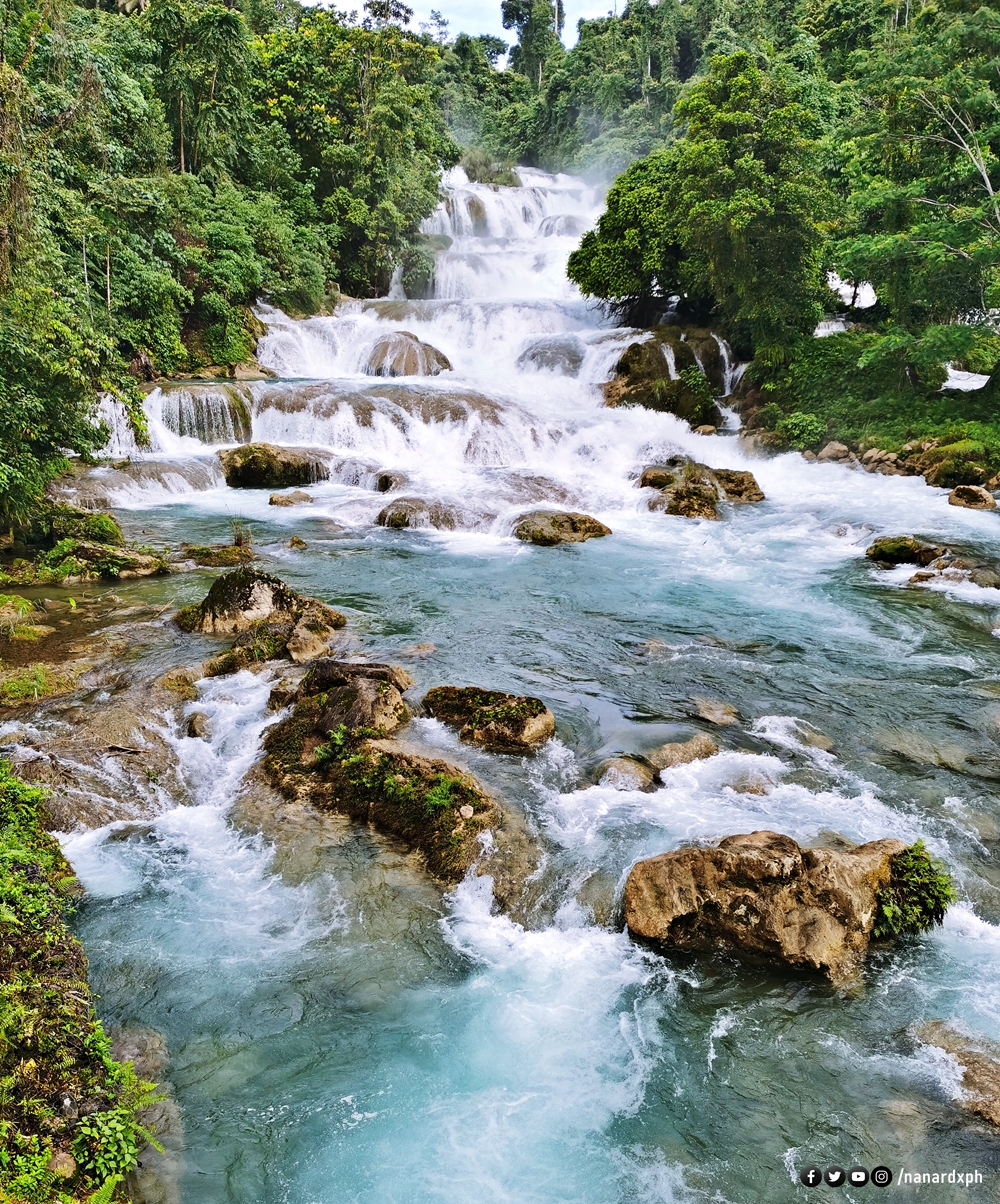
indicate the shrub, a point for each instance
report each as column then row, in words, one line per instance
column 800, row 430
column 919, row 893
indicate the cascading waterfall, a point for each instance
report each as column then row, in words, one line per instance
column 338, row 1031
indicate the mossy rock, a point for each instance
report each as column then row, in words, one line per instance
column 548, row 528
column 263, row 642
column 218, row 555
column 643, row 377
column 903, row 549
column 497, row 721
column 267, row 466
column 238, row 600
column 66, row 522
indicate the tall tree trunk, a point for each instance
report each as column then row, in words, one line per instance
column 181, row 107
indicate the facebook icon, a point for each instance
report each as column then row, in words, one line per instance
column 811, row 1176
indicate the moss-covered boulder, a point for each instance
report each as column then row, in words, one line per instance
column 903, row 549
column 72, row 560
column 962, row 462
column 277, row 620
column 415, row 513
column 501, row 722
column 67, row 522
column 550, row 527
column 267, row 466
column 663, row 373
column 694, row 490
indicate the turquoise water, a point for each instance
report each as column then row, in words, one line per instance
column 338, row 1031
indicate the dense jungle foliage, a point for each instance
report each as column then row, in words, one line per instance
column 165, row 164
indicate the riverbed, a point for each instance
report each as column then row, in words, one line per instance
column 341, row 1031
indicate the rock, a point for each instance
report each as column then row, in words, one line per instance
column 972, row 497
column 327, row 673
column 298, row 497
column 959, row 463
column 239, row 600
column 297, row 542
column 622, row 773
column 403, row 354
column 834, row 451
column 417, row 651
column 903, row 549
column 706, row 429
column 979, row 1059
column 62, row 1165
column 694, row 490
column 559, row 353
column 414, row 512
column 218, row 555
column 68, row 522
column 695, row 749
column 386, row 482
column 199, row 726
column 364, row 703
column 548, row 528
column 267, row 466
column 719, row 713
column 739, row 486
column 663, row 373
column 760, row 895
column 497, row 721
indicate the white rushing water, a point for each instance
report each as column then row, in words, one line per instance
column 340, row 1034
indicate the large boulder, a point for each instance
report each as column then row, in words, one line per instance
column 624, row 773
column 274, row 619
column 549, row 527
column 763, row 897
column 267, row 466
column 403, row 354
column 675, row 370
column 497, row 721
column 903, row 549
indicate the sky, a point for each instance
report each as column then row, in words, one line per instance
column 483, row 16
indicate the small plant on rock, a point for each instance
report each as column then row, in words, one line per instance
column 919, row 893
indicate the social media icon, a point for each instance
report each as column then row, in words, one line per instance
column 857, row 1176
column 835, row 1176
column 881, row 1176
column 811, row 1176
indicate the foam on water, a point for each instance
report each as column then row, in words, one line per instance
column 339, row 1032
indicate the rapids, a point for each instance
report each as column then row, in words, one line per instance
column 337, row 1031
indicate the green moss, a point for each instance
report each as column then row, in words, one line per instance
column 188, row 616
column 224, row 556
column 919, row 893
column 52, row 1045
column 69, row 523
column 29, row 682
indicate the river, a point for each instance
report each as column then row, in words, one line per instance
column 339, row 1031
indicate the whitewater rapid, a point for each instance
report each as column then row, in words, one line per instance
column 338, row 1031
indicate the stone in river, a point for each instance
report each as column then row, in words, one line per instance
column 622, row 773
column 979, row 1059
column 414, row 512
column 739, row 486
column 972, row 497
column 722, row 714
column 199, row 726
column 695, row 749
column 834, row 451
column 497, row 721
column 903, row 549
column 267, row 466
column 298, row 497
column 550, row 527
column 762, row 896
column 403, row 354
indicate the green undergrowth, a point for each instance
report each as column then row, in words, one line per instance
column 919, row 893
column 27, row 683
column 63, row 1097
column 830, row 391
